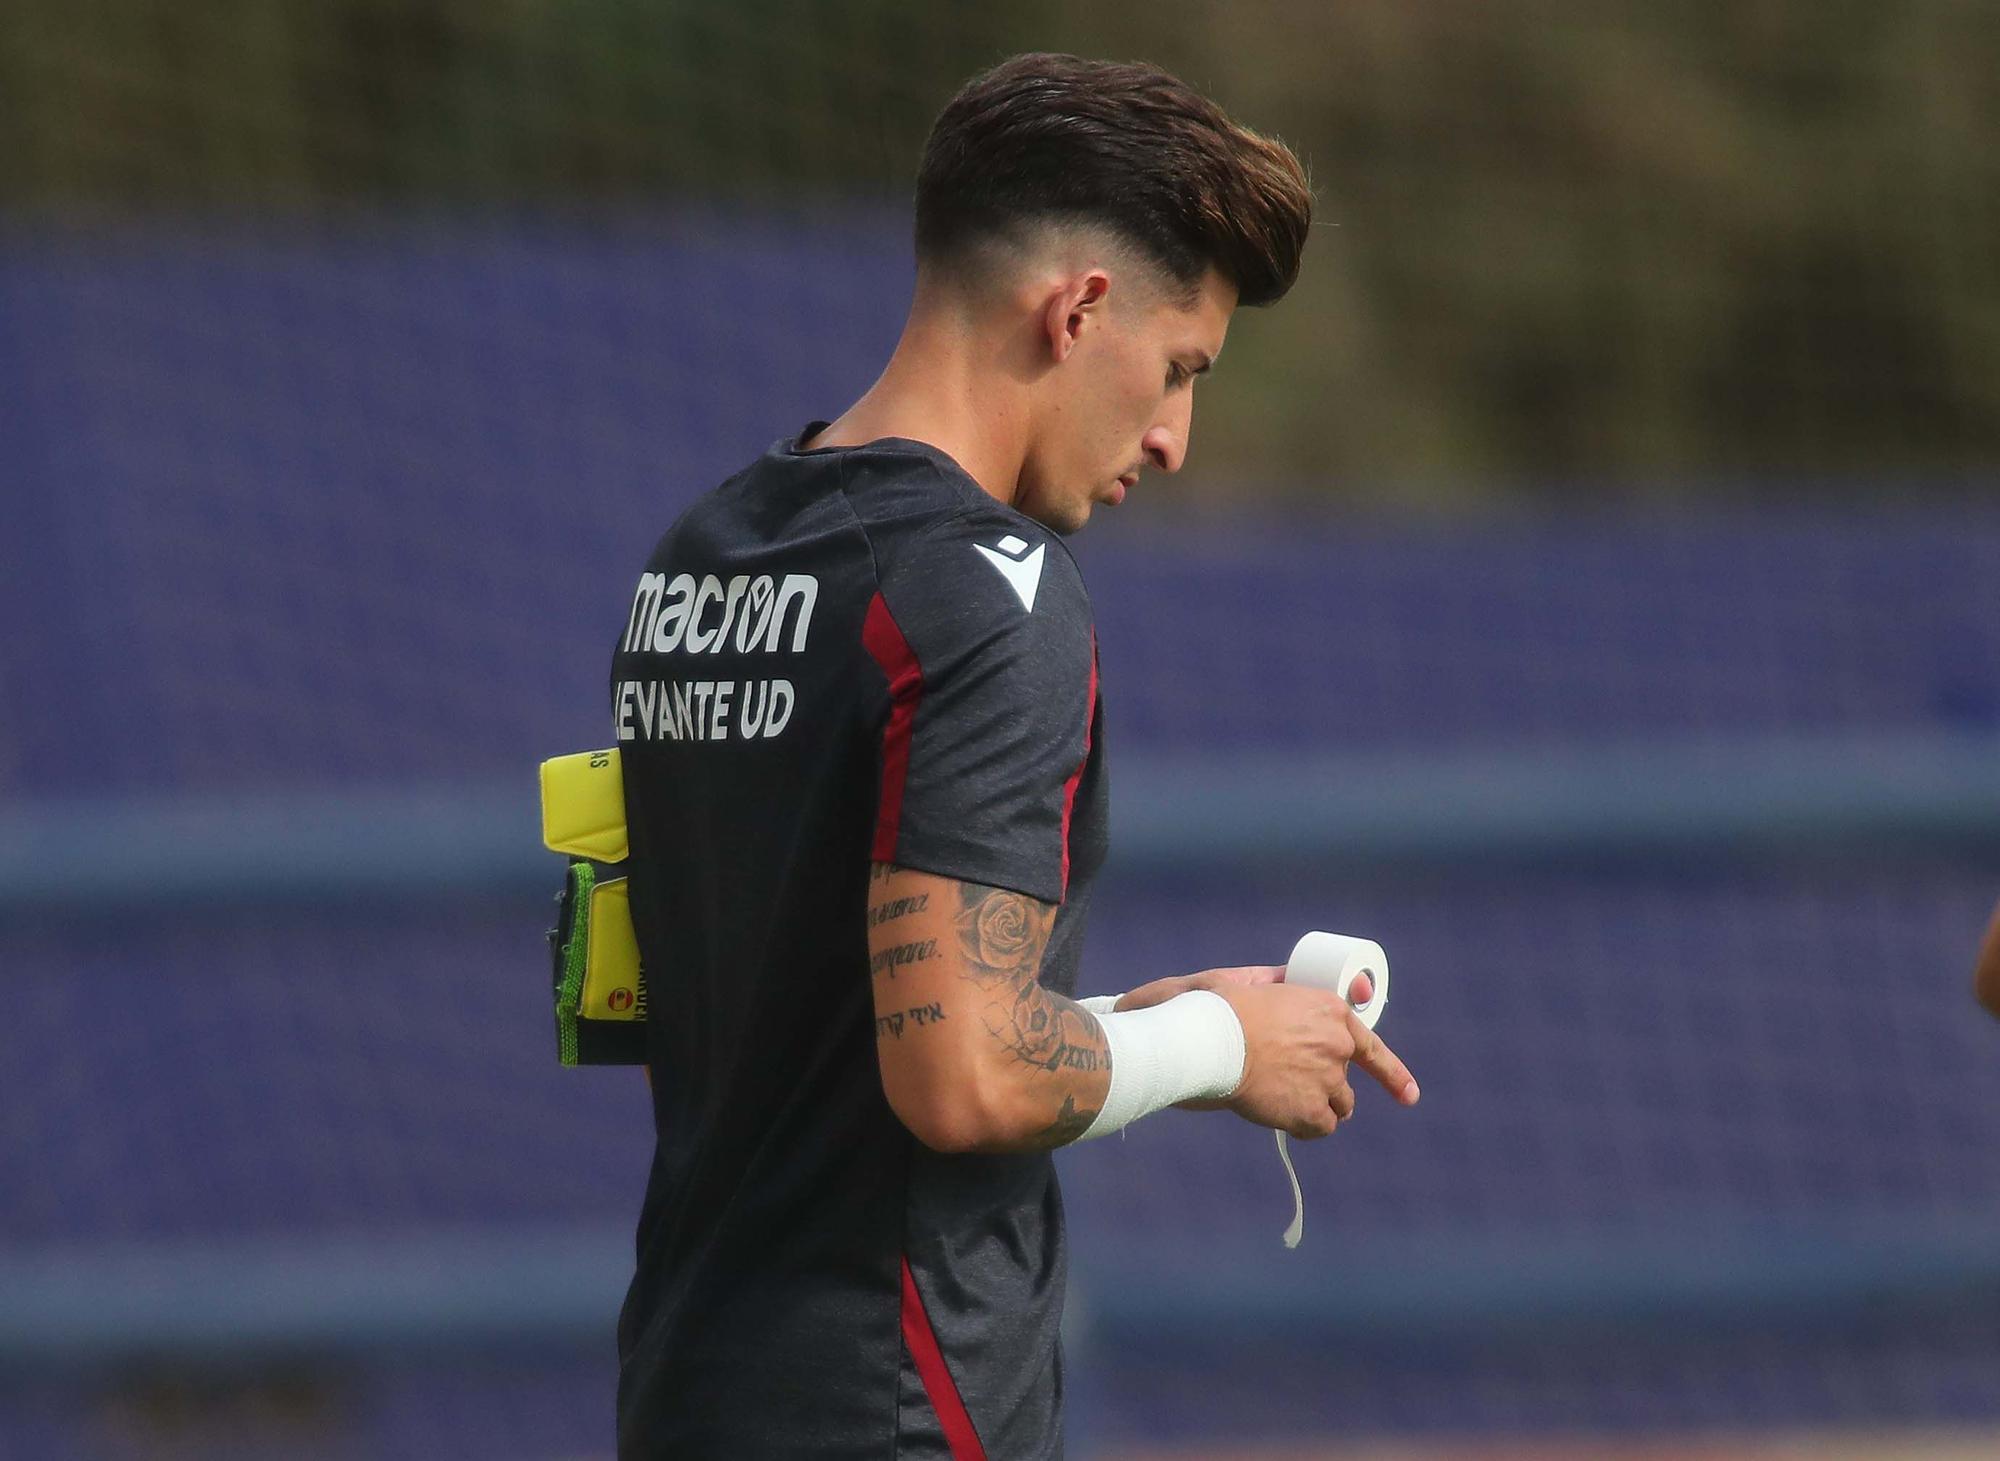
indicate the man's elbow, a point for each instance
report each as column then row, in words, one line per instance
column 954, row 1117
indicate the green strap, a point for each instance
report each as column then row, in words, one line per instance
column 569, row 997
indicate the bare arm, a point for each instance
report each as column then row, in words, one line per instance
column 1986, row 973
column 975, row 1054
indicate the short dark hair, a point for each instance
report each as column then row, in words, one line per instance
column 1124, row 146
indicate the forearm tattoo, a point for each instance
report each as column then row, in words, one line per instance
column 1001, row 937
column 886, row 960
column 921, row 1015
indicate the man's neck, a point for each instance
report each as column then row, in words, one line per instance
column 936, row 390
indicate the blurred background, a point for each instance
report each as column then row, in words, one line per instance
column 1584, row 583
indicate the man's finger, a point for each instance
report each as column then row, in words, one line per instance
column 1375, row 1057
column 1243, row 975
column 1157, row 992
column 1313, row 1127
column 1342, row 1100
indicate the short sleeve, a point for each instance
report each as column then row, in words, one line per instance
column 983, row 632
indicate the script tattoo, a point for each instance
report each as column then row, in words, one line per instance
column 921, row 1015
column 1001, row 937
column 897, row 908
column 889, row 960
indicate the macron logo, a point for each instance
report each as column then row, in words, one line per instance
column 1021, row 569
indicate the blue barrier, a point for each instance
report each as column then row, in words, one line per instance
column 1821, row 796
column 218, row 1301
column 562, row 1285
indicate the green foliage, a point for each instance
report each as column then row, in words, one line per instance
column 1563, row 242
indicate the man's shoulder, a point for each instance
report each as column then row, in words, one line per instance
column 988, row 556
column 935, row 531
column 988, row 592
column 938, row 543
column 903, row 490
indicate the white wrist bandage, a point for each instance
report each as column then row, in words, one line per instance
column 1099, row 1004
column 1187, row 1049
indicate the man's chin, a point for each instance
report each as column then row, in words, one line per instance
column 1063, row 522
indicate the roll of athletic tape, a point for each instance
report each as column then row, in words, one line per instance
column 1332, row 961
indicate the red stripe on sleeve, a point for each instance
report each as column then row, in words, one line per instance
column 1069, row 787
column 906, row 684
column 929, row 1359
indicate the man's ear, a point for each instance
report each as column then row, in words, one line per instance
column 1076, row 306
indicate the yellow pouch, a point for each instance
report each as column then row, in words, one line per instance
column 583, row 806
column 614, row 987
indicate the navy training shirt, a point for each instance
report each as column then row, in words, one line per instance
column 840, row 656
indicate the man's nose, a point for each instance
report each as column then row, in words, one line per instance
column 1165, row 448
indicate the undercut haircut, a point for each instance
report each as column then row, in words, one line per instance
column 1127, row 147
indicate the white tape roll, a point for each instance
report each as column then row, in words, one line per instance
column 1332, row 961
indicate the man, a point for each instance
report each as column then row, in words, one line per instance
column 864, row 775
